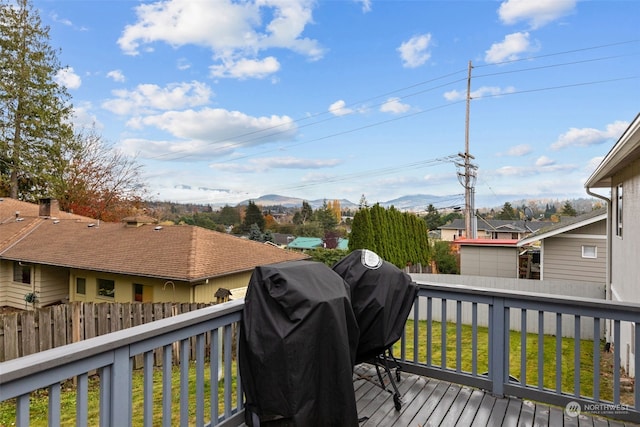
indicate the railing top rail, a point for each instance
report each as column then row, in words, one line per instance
column 543, row 298
column 41, row 361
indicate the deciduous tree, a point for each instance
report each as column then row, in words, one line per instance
column 98, row 180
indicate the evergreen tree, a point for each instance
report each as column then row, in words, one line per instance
column 568, row 209
column 326, row 217
column 36, row 110
column 229, row 216
column 507, row 212
column 361, row 236
column 253, row 215
column 255, row 233
column 304, row 214
column 433, row 218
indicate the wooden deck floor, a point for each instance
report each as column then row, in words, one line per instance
column 430, row 402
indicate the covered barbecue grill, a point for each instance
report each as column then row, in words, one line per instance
column 382, row 296
column 297, row 347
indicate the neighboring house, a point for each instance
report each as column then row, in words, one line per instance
column 488, row 257
column 619, row 174
column 574, row 249
column 492, row 229
column 61, row 257
column 308, row 243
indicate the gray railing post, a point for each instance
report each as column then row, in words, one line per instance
column 496, row 345
column 121, row 388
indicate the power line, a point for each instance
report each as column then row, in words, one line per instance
column 261, row 133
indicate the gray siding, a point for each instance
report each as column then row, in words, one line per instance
column 562, row 260
column 488, row 261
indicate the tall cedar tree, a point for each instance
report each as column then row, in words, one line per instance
column 35, row 110
column 398, row 237
column 361, row 236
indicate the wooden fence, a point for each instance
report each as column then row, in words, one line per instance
column 28, row 332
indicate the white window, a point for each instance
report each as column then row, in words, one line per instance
column 589, row 251
column 619, row 210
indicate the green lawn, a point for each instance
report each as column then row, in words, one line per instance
column 549, row 356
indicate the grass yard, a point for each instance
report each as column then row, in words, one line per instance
column 39, row 401
column 567, row 363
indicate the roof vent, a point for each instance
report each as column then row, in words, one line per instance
column 158, row 228
column 91, row 225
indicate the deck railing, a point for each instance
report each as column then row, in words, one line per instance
column 533, row 346
column 202, row 389
column 508, row 343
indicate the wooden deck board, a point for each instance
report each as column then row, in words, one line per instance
column 435, row 403
column 431, row 402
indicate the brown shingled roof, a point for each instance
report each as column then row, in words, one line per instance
column 179, row 252
column 17, row 218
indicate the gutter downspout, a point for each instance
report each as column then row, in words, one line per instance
column 607, row 286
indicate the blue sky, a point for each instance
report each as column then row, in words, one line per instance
column 224, row 101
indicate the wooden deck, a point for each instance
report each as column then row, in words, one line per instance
column 430, row 402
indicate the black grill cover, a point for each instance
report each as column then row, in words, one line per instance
column 381, row 296
column 297, row 347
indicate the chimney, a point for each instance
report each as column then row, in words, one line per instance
column 49, row 207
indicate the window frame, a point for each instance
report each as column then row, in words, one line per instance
column 619, row 209
column 80, row 280
column 589, row 256
column 21, row 272
column 100, row 282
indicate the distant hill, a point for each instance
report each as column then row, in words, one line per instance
column 415, row 202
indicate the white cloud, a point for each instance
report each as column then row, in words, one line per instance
column 584, row 137
column 219, row 127
column 116, row 75
column 517, row 151
column 366, row 5
column 246, row 68
column 593, row 163
column 84, row 118
column 68, row 78
column 268, row 163
column 146, row 98
column 537, row 13
column 510, row 48
column 545, row 161
column 393, row 105
column 234, row 31
column 482, row 92
column 338, row 108
column 415, row 51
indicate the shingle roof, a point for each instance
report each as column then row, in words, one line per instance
column 499, row 225
column 17, row 218
column 567, row 224
column 179, row 252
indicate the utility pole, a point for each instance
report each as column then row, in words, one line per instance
column 468, row 177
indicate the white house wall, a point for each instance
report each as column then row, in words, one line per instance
column 625, row 252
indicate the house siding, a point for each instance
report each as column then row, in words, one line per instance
column 162, row 290
column 13, row 292
column 625, row 251
column 488, row 261
column 206, row 292
column 563, row 260
column 52, row 285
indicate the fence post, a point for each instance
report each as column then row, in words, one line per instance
column 497, row 345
